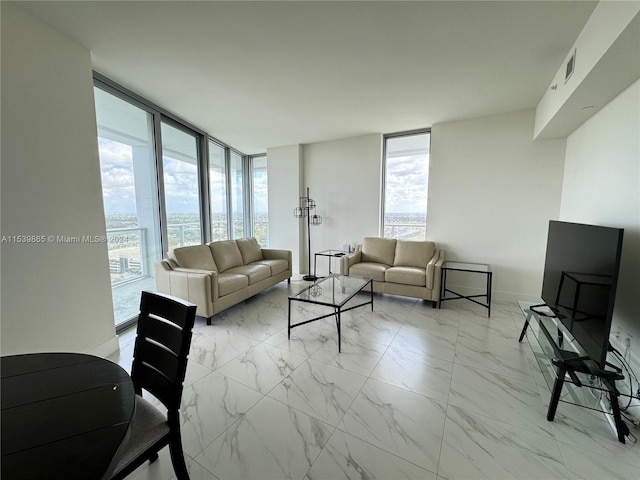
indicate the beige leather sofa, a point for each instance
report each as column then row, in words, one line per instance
column 221, row 274
column 398, row 267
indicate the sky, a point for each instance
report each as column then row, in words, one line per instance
column 406, row 183
column 180, row 182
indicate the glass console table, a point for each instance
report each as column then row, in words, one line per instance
column 568, row 372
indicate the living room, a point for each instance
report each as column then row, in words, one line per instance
column 496, row 179
column 501, row 201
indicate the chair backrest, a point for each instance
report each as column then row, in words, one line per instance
column 163, row 339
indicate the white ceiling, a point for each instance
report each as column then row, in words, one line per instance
column 266, row 74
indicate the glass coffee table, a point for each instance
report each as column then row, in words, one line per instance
column 333, row 291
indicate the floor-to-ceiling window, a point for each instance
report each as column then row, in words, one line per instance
column 218, row 198
column 406, row 182
column 181, row 186
column 157, row 186
column 236, row 172
column 129, row 191
column 260, row 199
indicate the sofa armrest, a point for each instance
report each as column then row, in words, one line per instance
column 197, row 286
column 434, row 269
column 349, row 260
column 273, row 254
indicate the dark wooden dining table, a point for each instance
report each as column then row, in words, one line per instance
column 64, row 416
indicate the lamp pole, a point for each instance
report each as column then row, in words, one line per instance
column 307, row 205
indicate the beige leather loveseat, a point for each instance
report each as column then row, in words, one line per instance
column 218, row 275
column 399, row 267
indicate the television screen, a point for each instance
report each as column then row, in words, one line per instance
column 579, row 283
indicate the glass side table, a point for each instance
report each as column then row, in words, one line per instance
column 479, row 268
column 327, row 253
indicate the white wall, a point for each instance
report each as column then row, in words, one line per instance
column 556, row 113
column 55, row 296
column 601, row 186
column 284, row 174
column 492, row 191
column 345, row 178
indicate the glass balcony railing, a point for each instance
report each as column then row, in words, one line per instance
column 127, row 254
column 403, row 231
column 181, row 234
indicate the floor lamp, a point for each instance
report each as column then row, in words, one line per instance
column 307, row 209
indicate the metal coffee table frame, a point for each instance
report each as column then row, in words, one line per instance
column 333, row 291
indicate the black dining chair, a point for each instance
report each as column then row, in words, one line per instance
column 159, row 365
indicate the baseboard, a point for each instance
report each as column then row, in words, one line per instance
column 106, row 348
column 496, row 295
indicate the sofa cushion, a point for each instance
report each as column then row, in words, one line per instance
column 369, row 270
column 226, row 254
column 413, row 254
column 277, row 265
column 250, row 250
column 378, row 250
column 231, row 282
column 255, row 272
column 406, row 276
column 195, row 256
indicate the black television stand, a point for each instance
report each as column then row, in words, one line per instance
column 569, row 366
column 571, row 363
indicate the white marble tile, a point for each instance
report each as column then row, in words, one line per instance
column 443, row 323
column 369, row 327
column 419, row 340
column 496, row 425
column 211, row 405
column 479, row 447
column 513, row 361
column 162, row 469
column 574, row 425
column 588, row 465
column 359, row 357
column 262, row 367
column 305, row 339
column 404, row 423
column 195, row 372
column 395, row 307
column 251, row 320
column 320, row 390
column 272, row 441
column 497, row 396
column 347, row 457
column 220, row 347
column 419, row 373
column 494, row 330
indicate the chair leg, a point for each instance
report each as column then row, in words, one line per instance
column 177, row 459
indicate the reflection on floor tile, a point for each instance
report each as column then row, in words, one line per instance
column 416, row 393
column 481, row 447
column 272, row 441
column 348, row 457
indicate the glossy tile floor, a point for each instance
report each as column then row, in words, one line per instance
column 417, row 393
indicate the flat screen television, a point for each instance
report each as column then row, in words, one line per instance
column 579, row 283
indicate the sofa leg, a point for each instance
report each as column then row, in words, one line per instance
column 209, row 320
column 289, row 280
